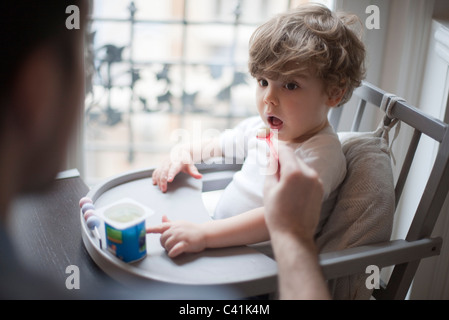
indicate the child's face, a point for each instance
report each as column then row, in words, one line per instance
column 297, row 108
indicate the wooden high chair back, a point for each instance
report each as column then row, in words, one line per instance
column 404, row 254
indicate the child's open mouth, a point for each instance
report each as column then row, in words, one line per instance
column 275, row 123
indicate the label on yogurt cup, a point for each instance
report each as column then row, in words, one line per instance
column 114, row 235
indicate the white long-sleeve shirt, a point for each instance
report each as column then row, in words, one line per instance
column 322, row 152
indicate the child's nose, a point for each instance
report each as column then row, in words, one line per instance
column 270, row 97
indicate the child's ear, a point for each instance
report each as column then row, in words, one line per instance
column 335, row 94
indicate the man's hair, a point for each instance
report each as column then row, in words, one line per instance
column 27, row 24
column 310, row 39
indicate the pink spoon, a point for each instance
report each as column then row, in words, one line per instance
column 266, row 134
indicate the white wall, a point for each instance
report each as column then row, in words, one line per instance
column 374, row 40
column 432, row 279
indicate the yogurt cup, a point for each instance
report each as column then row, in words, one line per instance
column 124, row 223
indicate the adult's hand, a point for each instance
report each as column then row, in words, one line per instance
column 292, row 199
column 292, row 196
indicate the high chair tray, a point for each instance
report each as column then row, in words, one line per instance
column 243, row 269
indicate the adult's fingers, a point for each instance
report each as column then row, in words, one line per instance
column 290, row 163
column 283, row 163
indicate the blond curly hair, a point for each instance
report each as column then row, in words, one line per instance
column 310, row 39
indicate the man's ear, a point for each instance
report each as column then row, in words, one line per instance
column 35, row 91
column 335, row 94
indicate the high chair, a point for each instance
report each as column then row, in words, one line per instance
column 357, row 236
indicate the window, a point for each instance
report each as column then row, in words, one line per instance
column 163, row 66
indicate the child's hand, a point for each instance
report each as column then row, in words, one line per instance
column 180, row 236
column 167, row 172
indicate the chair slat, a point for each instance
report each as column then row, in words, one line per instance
column 358, row 116
column 406, row 165
column 434, row 195
column 334, row 117
column 414, row 117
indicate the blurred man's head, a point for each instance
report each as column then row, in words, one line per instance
column 41, row 89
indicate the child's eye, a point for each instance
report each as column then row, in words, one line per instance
column 291, row 86
column 263, row 82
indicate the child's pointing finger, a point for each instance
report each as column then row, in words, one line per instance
column 164, row 226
